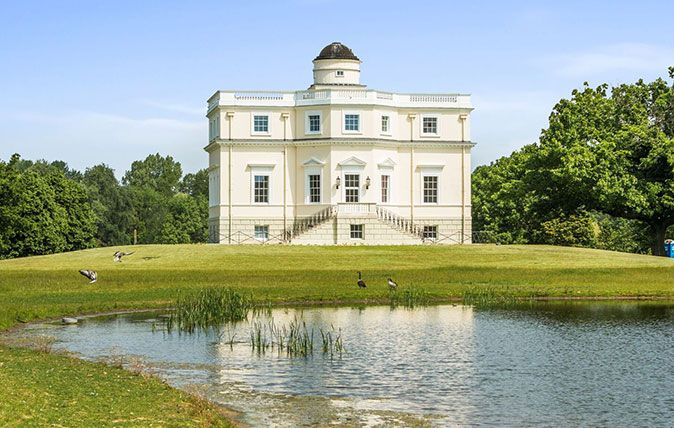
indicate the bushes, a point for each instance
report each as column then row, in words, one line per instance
column 571, row 231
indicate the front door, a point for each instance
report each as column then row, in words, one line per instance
column 351, row 187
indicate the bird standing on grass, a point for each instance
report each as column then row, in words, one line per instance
column 119, row 254
column 392, row 285
column 91, row 274
column 361, row 283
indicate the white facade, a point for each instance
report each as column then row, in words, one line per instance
column 339, row 163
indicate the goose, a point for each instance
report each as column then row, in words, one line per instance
column 392, row 285
column 361, row 283
column 119, row 254
column 91, row 274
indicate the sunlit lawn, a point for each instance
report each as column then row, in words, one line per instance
column 41, row 389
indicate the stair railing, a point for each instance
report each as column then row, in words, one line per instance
column 303, row 224
column 399, row 222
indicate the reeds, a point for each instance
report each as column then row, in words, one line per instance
column 294, row 339
column 209, row 308
column 491, row 297
column 409, row 298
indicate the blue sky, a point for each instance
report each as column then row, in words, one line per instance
column 113, row 81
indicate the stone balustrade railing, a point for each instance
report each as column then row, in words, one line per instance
column 336, row 96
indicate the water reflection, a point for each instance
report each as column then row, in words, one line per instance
column 548, row 364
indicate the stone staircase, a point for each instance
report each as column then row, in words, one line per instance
column 333, row 226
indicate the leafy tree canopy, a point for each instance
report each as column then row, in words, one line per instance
column 155, row 172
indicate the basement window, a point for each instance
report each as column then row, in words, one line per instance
column 356, row 231
column 430, row 232
column 262, row 232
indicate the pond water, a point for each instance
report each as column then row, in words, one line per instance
column 563, row 364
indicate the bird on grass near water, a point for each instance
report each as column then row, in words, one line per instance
column 361, row 283
column 91, row 274
column 119, row 254
column 392, row 285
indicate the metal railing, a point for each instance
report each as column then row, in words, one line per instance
column 303, row 224
column 399, row 222
column 240, row 237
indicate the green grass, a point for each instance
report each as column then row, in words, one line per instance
column 50, row 286
column 40, row 389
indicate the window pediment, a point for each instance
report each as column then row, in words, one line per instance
column 352, row 161
column 313, row 162
column 388, row 163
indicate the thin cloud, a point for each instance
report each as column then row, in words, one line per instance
column 613, row 58
column 85, row 138
column 178, row 108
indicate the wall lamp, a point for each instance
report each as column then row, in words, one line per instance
column 339, row 181
column 367, row 182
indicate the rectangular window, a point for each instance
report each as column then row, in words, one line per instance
column 340, row 73
column 430, row 125
column 430, row 189
column 384, row 123
column 385, row 182
column 430, row 232
column 356, row 231
column 315, row 188
column 352, row 122
column 261, row 189
column 261, row 123
column 352, row 187
column 314, row 123
column 262, row 232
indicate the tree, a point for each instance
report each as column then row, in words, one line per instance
column 112, row 205
column 149, row 213
column 501, row 204
column 195, row 184
column 157, row 173
column 186, row 221
column 610, row 152
column 41, row 211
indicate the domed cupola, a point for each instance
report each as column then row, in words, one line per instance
column 336, row 65
column 336, row 50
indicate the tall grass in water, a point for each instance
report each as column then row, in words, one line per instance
column 209, row 308
column 491, row 297
column 409, row 298
column 293, row 340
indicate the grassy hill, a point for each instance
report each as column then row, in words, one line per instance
column 47, row 286
column 41, row 389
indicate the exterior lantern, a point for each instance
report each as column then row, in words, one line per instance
column 367, row 182
column 339, row 180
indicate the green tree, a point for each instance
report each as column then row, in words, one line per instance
column 41, row 211
column 195, row 184
column 149, row 213
column 500, row 202
column 112, row 205
column 155, row 172
column 612, row 152
column 186, row 220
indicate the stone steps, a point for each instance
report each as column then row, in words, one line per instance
column 338, row 231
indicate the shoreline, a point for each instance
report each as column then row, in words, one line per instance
column 348, row 302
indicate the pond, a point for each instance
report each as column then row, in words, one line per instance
column 548, row 364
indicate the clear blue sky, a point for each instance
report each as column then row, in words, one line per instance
column 113, row 81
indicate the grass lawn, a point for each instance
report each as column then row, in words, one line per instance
column 50, row 286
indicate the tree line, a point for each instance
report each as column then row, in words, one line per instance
column 601, row 174
column 47, row 207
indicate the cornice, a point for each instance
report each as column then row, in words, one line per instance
column 328, row 141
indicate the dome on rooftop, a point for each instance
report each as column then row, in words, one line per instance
column 336, row 50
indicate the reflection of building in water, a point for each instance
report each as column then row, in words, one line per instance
column 396, row 359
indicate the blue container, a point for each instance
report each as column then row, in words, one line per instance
column 669, row 248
